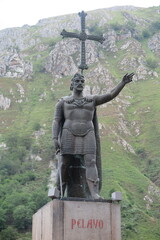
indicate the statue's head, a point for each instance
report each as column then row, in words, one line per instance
column 77, row 82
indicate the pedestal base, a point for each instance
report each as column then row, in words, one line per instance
column 77, row 220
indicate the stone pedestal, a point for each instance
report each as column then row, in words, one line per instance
column 77, row 220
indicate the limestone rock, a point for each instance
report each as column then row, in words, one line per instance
column 124, row 8
column 97, row 78
column 142, row 72
column 36, row 157
column 154, row 43
column 19, row 38
column 110, row 41
column 136, row 126
column 38, row 134
column 4, row 102
column 121, row 141
column 64, row 58
column 42, row 96
column 153, row 192
column 136, row 62
column 132, row 63
column 52, row 27
column 3, row 146
column 129, row 63
column 60, row 62
column 132, row 46
column 14, row 66
column 135, row 19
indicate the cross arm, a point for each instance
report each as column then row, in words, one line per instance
column 64, row 34
column 100, row 39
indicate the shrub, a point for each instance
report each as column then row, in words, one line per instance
column 26, row 177
column 36, row 126
column 95, row 29
column 116, row 26
column 142, row 153
column 40, row 198
column 9, row 233
column 152, row 63
column 13, row 140
column 2, row 219
column 9, row 165
column 130, row 26
column 156, row 25
column 146, row 34
column 22, row 216
column 36, row 149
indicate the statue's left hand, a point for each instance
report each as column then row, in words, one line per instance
column 56, row 145
column 128, row 78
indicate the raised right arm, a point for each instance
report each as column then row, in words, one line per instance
column 100, row 99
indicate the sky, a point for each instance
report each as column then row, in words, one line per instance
column 16, row 13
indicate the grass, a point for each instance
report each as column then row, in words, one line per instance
column 148, row 14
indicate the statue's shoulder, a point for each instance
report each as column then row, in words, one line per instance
column 89, row 98
column 67, row 99
column 70, row 99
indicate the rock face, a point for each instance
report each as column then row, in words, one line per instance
column 110, row 42
column 60, row 61
column 154, row 44
column 13, row 65
column 64, row 58
column 99, row 76
column 152, row 195
column 135, row 19
column 4, row 102
column 23, row 49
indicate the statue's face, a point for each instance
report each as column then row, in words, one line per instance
column 78, row 84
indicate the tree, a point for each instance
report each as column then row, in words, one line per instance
column 22, row 216
column 2, row 219
column 9, row 233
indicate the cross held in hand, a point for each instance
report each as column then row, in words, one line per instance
column 82, row 36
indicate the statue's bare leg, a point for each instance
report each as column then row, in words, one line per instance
column 92, row 175
column 63, row 172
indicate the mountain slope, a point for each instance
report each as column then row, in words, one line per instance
column 36, row 66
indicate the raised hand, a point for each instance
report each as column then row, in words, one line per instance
column 128, row 78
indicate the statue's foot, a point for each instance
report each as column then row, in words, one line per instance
column 96, row 196
column 93, row 187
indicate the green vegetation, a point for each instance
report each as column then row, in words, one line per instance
column 146, row 33
column 152, row 63
column 152, row 29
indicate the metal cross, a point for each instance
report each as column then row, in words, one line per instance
column 82, row 36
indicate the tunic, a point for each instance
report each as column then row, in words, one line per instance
column 77, row 132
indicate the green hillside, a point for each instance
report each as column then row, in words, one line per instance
column 129, row 126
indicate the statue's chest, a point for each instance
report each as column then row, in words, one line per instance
column 79, row 109
column 79, row 106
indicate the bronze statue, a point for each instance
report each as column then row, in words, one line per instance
column 75, row 134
